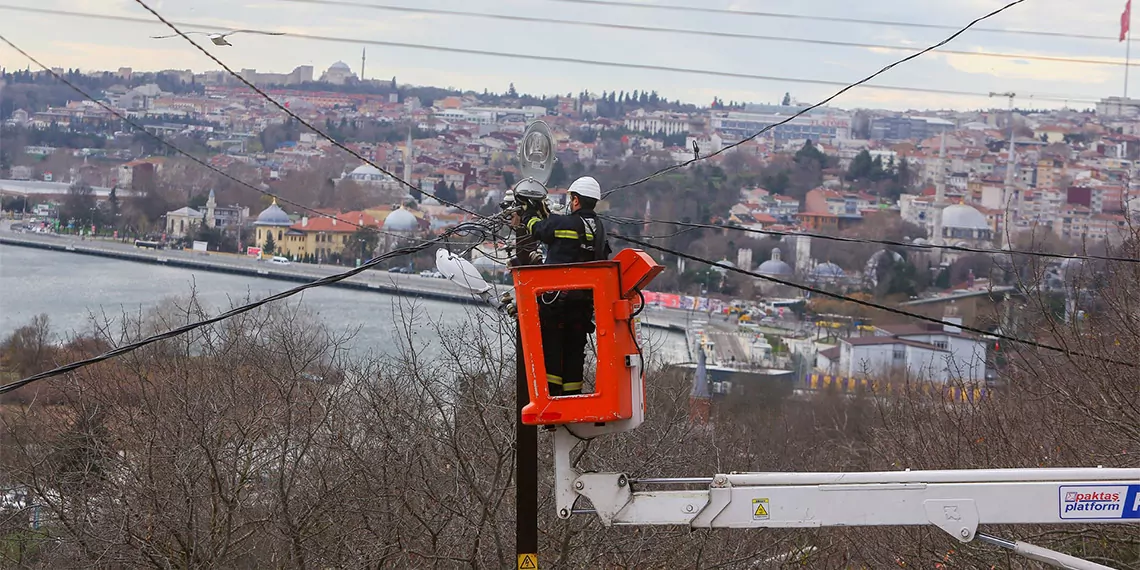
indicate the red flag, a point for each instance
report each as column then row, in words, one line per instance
column 1126, row 21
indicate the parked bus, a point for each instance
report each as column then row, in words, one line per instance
column 147, row 244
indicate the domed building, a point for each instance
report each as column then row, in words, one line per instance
column 827, row 273
column 338, row 73
column 401, row 221
column 871, row 270
column 368, row 174
column 272, row 221
column 775, row 267
column 964, row 226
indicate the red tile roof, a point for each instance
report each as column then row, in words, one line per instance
column 323, row 224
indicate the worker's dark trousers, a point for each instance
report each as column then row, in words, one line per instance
column 566, row 323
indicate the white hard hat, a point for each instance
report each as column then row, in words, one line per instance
column 586, row 187
column 530, row 188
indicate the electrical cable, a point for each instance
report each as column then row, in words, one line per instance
column 869, row 304
column 297, row 117
column 175, row 148
column 738, row 13
column 964, row 249
column 805, row 110
column 706, row 33
column 231, row 313
column 562, row 59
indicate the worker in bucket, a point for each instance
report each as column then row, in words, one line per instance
column 567, row 317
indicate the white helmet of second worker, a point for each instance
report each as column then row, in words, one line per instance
column 586, row 187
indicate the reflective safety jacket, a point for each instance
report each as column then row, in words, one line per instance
column 574, row 238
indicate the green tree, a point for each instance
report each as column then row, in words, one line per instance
column 362, row 243
column 511, row 92
column 787, row 99
column 270, row 245
column 79, row 204
column 557, row 175
column 861, row 166
column 809, row 153
column 446, row 192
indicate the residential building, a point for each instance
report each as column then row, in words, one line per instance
column 906, row 127
column 657, row 122
column 937, row 353
column 824, row 124
column 1118, row 107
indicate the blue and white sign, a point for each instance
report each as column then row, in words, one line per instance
column 1099, row 502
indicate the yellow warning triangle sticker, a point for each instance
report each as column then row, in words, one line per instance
column 528, row 562
column 760, row 510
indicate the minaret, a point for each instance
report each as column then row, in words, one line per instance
column 362, row 57
column 211, row 203
column 408, row 157
column 939, row 194
column 1008, row 197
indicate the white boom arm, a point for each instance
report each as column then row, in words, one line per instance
column 956, row 501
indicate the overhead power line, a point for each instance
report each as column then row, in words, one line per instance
column 869, row 304
column 572, row 60
column 231, row 313
column 737, row 13
column 801, row 112
column 705, row 33
column 297, row 117
column 887, row 242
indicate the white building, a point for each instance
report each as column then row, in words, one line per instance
column 338, row 73
column 1118, row 107
column 465, row 116
column 657, row 122
column 827, row 125
column 937, row 354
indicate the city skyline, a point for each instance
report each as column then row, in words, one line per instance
column 68, row 43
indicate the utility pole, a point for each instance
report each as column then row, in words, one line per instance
column 1009, row 169
column 536, row 157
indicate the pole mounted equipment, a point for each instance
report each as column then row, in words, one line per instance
column 536, row 152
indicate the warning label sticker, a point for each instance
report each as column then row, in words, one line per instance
column 528, row 562
column 760, row 509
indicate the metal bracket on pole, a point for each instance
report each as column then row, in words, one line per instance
column 565, row 475
column 608, row 492
column 720, row 495
column 958, row 517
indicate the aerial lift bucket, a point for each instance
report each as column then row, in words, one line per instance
column 618, row 396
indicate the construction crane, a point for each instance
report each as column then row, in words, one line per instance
column 956, row 501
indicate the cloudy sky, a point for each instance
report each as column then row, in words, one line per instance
column 88, row 43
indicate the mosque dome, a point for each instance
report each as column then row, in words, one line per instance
column 273, row 216
column 871, row 270
column 366, row 170
column 827, row 271
column 340, row 66
column 775, row 266
column 961, row 216
column 401, row 220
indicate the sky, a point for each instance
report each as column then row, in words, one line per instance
column 91, row 44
